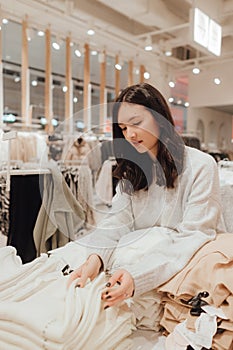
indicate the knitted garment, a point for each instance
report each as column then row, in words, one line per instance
column 38, row 311
column 183, row 218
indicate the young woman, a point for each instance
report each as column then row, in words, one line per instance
column 167, row 203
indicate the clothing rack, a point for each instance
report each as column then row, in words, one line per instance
column 8, row 136
column 226, row 164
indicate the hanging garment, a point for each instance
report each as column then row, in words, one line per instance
column 4, row 207
column 60, row 216
column 25, row 202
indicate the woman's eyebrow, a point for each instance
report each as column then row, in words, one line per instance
column 130, row 119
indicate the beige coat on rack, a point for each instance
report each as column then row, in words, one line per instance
column 79, row 150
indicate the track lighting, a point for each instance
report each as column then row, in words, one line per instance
column 148, row 44
column 91, row 28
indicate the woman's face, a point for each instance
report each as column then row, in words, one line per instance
column 139, row 128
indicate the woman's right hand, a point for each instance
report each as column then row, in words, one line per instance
column 89, row 269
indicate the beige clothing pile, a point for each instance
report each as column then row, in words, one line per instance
column 209, row 270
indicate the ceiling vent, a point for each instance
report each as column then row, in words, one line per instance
column 183, row 53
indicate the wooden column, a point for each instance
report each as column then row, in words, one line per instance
column 69, row 92
column 117, row 77
column 142, row 71
column 130, row 73
column 48, row 82
column 25, row 86
column 86, row 86
column 102, row 118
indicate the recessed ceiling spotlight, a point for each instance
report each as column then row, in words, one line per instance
column 217, row 81
column 118, row 66
column 34, row 82
column 56, row 46
column 78, row 53
column 171, row 84
column 168, row 53
column 146, row 75
column 196, row 70
column 40, row 33
column 90, row 32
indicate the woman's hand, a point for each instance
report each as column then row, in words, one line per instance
column 89, row 269
column 120, row 286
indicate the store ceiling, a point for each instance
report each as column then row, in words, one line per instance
column 123, row 26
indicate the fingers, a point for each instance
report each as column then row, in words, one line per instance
column 73, row 276
column 80, row 276
column 119, row 287
column 116, row 278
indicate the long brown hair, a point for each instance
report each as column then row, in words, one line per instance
column 136, row 169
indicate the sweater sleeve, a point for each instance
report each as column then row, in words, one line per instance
column 159, row 253
column 118, row 222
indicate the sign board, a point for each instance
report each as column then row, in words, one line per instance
column 206, row 32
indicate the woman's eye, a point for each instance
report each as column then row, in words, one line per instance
column 138, row 123
column 124, row 128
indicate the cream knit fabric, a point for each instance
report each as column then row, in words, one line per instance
column 37, row 311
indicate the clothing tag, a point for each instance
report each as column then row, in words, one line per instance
column 213, row 311
column 205, row 326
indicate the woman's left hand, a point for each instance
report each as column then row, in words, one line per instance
column 120, row 286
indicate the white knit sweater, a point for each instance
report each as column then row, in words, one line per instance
column 164, row 226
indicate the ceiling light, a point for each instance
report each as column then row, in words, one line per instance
column 90, row 32
column 148, row 44
column 146, row 75
column 186, row 104
column 171, row 84
column 168, row 53
column 171, row 99
column 94, row 52
column 40, row 33
column 16, row 79
column 196, row 70
column 217, row 81
column 30, row 34
column 119, row 62
column 75, row 99
column 4, row 20
column 34, row 82
column 118, row 66
column 78, row 53
column 64, row 88
column 57, row 43
column 91, row 28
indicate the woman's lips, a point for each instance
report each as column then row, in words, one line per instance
column 136, row 143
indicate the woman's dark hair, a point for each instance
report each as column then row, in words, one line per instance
column 136, row 169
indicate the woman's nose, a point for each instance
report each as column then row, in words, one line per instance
column 131, row 133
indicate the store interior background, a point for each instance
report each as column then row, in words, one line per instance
column 122, row 30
